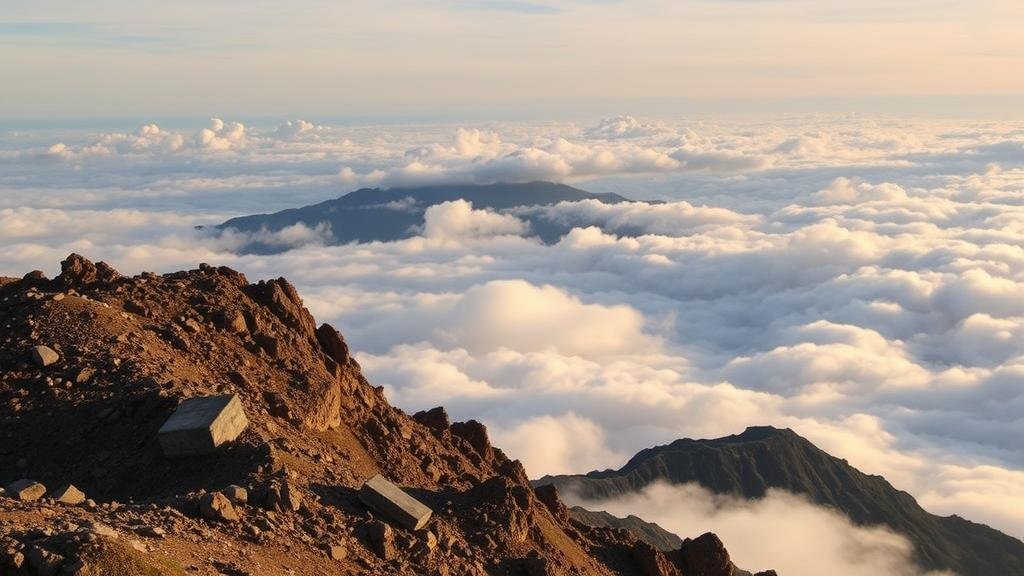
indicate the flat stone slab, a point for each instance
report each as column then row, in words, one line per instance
column 202, row 424
column 26, row 490
column 388, row 499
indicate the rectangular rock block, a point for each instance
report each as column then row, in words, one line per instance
column 383, row 496
column 201, row 424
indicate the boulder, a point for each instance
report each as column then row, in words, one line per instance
column 236, row 494
column 381, row 495
column 436, row 419
column 382, row 540
column 332, row 344
column 283, row 497
column 233, row 321
column 200, row 425
column 216, row 506
column 548, row 496
column 44, row 356
column 25, row 489
column 68, row 494
column 475, row 433
column 76, row 270
column 704, row 556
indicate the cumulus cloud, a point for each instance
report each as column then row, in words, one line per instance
column 635, row 218
column 625, row 127
column 458, row 220
column 297, row 130
column 221, row 136
column 559, row 443
column 782, row 531
column 478, row 156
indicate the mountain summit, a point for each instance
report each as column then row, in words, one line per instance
column 763, row 458
column 373, row 214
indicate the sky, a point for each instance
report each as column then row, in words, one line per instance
column 536, row 59
column 839, row 247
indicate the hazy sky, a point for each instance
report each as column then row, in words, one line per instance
column 118, row 58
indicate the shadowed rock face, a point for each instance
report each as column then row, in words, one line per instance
column 371, row 214
column 649, row 532
column 129, row 350
column 762, row 458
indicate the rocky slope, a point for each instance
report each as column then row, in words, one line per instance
column 761, row 458
column 372, row 214
column 649, row 532
column 283, row 497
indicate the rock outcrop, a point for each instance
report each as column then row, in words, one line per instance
column 282, row 496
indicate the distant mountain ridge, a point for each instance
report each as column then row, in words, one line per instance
column 761, row 458
column 649, row 532
column 384, row 215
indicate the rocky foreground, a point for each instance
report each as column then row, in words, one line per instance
column 92, row 366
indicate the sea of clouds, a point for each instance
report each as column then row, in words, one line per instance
column 856, row 279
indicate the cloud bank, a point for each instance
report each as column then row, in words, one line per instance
column 858, row 283
column 782, row 530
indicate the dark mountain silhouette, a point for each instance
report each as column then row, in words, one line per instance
column 373, row 214
column 649, row 532
column 761, row 458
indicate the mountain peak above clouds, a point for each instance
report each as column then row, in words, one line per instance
column 764, row 458
column 385, row 215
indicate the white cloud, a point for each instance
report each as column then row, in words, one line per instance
column 559, row 443
column 860, row 286
column 458, row 220
column 624, row 127
column 781, row 531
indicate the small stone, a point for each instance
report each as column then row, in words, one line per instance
column 25, row 489
column 138, row 546
column 151, row 531
column 44, row 356
column 101, row 530
column 58, row 296
column 337, row 552
column 12, row 558
column 84, row 375
column 68, row 494
column 291, row 497
column 216, row 506
column 236, row 494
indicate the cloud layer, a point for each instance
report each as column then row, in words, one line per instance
column 853, row 279
column 782, row 531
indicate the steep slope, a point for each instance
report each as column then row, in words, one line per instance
column 761, row 458
column 282, row 497
column 647, row 531
column 372, row 214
